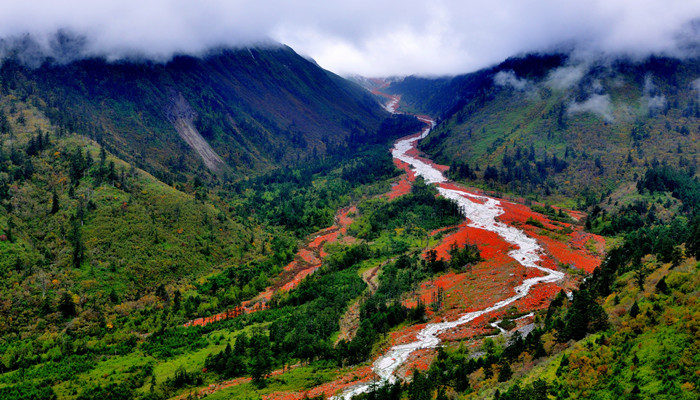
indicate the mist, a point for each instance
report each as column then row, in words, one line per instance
column 370, row 38
column 599, row 104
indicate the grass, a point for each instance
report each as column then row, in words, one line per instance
column 294, row 380
column 113, row 368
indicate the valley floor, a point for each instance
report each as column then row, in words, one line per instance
column 529, row 258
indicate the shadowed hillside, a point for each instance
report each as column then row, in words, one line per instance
column 236, row 110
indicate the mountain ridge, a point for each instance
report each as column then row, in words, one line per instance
column 585, row 120
column 256, row 107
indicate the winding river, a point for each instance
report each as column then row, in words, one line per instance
column 481, row 212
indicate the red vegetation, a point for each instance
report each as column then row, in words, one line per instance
column 306, row 262
column 564, row 248
column 406, row 335
column 213, row 388
column 351, row 378
column 400, row 188
column 419, row 359
column 481, row 286
column 539, row 297
column 478, row 326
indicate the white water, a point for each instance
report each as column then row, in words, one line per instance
column 392, row 105
column 481, row 216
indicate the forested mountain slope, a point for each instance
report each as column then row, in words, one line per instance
column 103, row 262
column 557, row 125
column 619, row 139
column 231, row 110
column 107, row 268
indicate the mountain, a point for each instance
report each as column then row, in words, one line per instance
column 136, row 195
column 560, row 127
column 233, row 226
column 230, row 112
column 617, row 138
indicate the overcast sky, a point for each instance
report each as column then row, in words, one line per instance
column 368, row 37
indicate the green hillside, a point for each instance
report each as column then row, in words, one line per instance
column 87, row 238
column 102, row 262
column 137, row 196
column 548, row 126
column 618, row 139
column 257, row 108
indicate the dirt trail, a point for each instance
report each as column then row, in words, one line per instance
column 371, row 279
column 350, row 321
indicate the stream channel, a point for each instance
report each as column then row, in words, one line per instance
column 481, row 212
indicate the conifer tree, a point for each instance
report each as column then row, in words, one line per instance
column 634, row 310
column 54, row 203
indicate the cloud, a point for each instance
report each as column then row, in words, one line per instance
column 652, row 99
column 361, row 36
column 509, row 79
column 598, row 104
column 565, row 77
column 655, row 103
column 695, row 85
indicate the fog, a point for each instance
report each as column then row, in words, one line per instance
column 371, row 38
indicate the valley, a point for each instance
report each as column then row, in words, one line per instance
column 522, row 274
column 245, row 224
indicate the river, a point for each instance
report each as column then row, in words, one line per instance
column 481, row 212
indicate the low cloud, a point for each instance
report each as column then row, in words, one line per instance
column 392, row 37
column 656, row 104
column 652, row 99
column 650, row 88
column 695, row 85
column 564, row 78
column 508, row 79
column 599, row 104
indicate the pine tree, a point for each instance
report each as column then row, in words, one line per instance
column 5, row 124
column 661, row 286
column 77, row 241
column 113, row 297
column 261, row 357
column 54, row 203
column 66, row 305
column 177, row 298
column 162, row 294
column 693, row 243
column 506, row 372
column 634, row 310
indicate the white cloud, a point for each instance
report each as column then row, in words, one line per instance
column 565, row 77
column 509, row 79
column 598, row 104
column 367, row 37
column 695, row 85
column 655, row 103
column 652, row 99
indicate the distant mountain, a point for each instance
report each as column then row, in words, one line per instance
column 232, row 111
column 549, row 124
